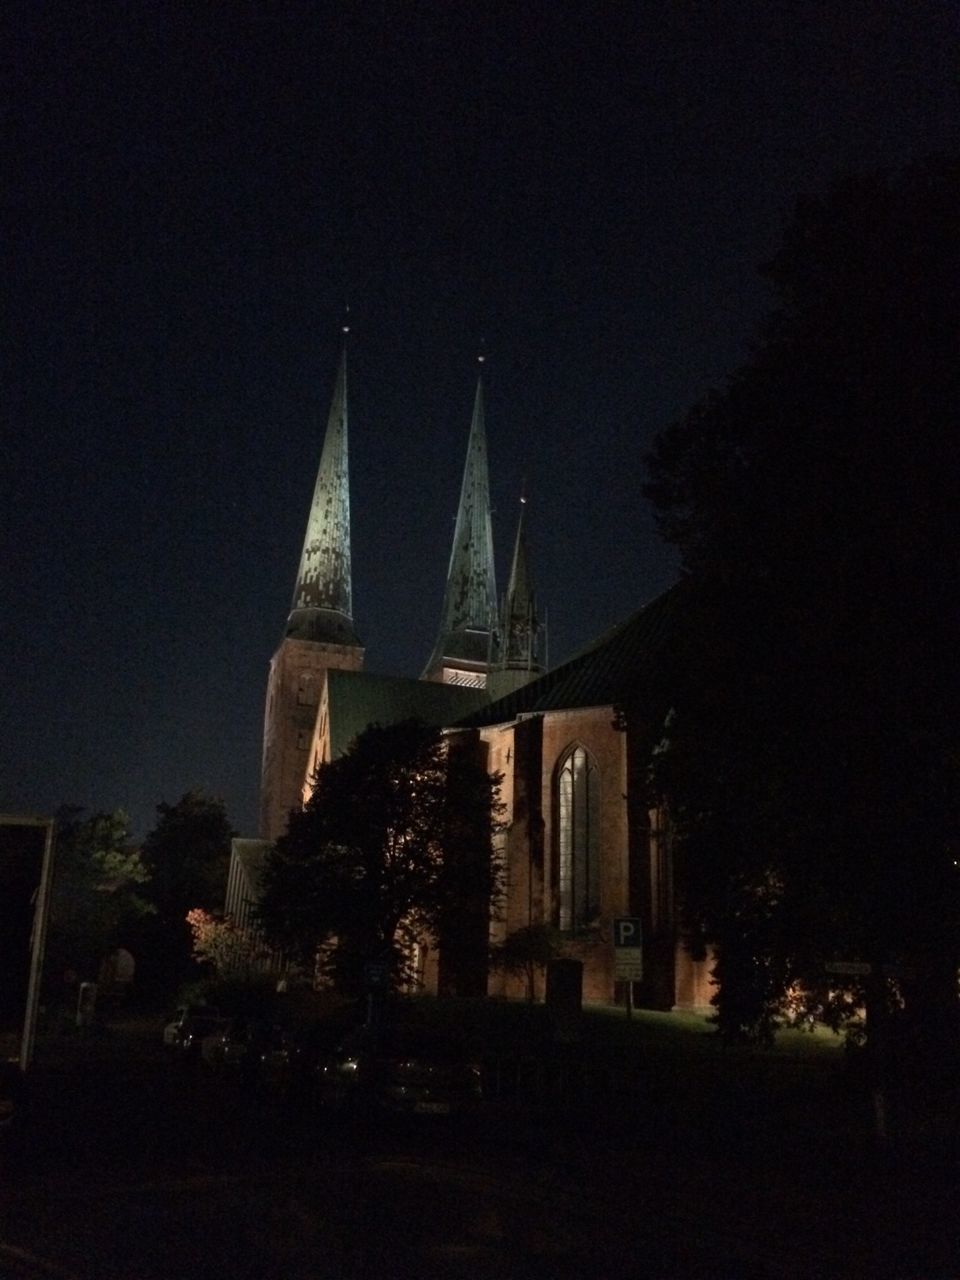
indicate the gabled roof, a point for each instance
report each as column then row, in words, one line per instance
column 252, row 856
column 356, row 699
column 621, row 662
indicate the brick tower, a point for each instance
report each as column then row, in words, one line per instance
column 462, row 652
column 319, row 633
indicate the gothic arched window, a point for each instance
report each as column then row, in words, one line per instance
column 577, row 809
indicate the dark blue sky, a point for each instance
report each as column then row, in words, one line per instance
column 190, row 192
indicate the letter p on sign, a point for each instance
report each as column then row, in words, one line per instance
column 626, row 932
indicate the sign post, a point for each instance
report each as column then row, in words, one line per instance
column 628, row 954
column 28, row 866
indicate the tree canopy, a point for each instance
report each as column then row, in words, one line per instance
column 393, row 848
column 810, row 762
column 99, row 891
column 188, row 856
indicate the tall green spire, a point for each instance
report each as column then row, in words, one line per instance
column 322, row 607
column 462, row 652
column 319, row 635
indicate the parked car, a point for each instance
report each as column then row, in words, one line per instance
column 401, row 1069
column 293, row 1060
column 182, row 1019
column 237, row 1044
column 189, row 1027
column 284, row 1060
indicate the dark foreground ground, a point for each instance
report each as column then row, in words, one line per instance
column 131, row 1166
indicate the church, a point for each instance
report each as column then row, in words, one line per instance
column 578, row 844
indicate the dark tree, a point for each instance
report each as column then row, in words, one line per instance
column 393, row 848
column 469, row 888
column 810, row 762
column 187, row 855
column 100, row 893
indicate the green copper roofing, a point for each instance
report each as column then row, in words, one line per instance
column 627, row 659
column 322, row 606
column 519, row 625
column 469, row 603
column 357, row 699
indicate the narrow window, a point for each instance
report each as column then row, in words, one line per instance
column 578, row 830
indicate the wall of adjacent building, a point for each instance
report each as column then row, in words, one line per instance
column 636, row 859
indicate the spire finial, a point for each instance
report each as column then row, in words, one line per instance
column 345, row 327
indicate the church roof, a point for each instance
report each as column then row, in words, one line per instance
column 624, row 659
column 469, row 602
column 252, row 856
column 322, row 607
column 356, row 699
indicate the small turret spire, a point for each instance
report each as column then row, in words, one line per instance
column 322, row 607
column 518, row 602
column 517, row 656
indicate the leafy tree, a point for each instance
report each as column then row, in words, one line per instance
column 810, row 762
column 394, row 846
column 188, row 856
column 98, row 895
column 219, row 942
column 188, row 853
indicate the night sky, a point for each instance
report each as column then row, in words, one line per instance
column 191, row 193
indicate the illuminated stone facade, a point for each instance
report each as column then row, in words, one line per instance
column 297, row 675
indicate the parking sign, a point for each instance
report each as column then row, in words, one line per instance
column 628, row 948
column 627, row 931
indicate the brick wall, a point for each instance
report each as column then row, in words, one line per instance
column 293, row 691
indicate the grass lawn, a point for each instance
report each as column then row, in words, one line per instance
column 671, row 1067
column 803, row 1093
